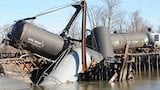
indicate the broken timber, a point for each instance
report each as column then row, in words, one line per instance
column 123, row 72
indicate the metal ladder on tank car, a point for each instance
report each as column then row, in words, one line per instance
column 54, row 65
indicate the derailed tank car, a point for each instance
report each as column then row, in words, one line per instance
column 36, row 39
column 135, row 40
column 119, row 40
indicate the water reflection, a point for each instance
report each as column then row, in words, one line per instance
column 12, row 84
column 125, row 85
column 144, row 81
column 74, row 86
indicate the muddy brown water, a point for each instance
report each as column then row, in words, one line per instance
column 143, row 81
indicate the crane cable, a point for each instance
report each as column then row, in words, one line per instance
column 52, row 10
column 47, row 11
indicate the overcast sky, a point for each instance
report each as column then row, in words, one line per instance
column 12, row 10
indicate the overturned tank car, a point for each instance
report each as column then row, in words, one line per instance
column 35, row 39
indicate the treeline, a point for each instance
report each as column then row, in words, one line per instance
column 110, row 14
column 115, row 19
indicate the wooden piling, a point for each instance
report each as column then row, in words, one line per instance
column 149, row 64
column 157, row 62
column 139, row 64
column 136, row 64
column 145, row 68
column 130, row 71
column 152, row 66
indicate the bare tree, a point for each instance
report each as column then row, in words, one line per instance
column 75, row 31
column 137, row 24
column 119, row 22
column 109, row 16
column 114, row 19
column 136, row 20
column 95, row 15
column 4, row 30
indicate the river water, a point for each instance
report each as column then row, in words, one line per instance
column 145, row 81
